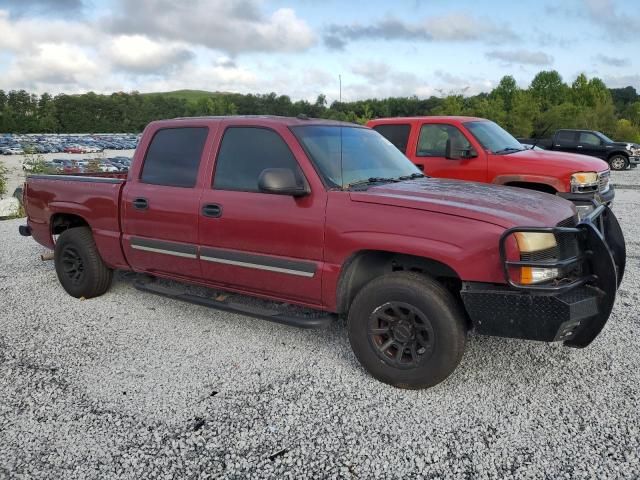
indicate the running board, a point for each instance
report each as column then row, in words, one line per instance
column 255, row 311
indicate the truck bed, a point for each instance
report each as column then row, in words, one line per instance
column 95, row 197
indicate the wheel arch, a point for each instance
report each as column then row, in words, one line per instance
column 61, row 221
column 537, row 186
column 542, row 183
column 365, row 265
column 617, row 152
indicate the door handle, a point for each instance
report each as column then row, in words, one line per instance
column 212, row 210
column 579, row 146
column 140, row 204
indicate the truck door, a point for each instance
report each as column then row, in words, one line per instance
column 430, row 153
column 590, row 144
column 265, row 243
column 160, row 205
column 566, row 141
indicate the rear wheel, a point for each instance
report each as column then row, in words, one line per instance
column 618, row 162
column 79, row 267
column 407, row 330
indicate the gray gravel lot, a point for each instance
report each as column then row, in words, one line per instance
column 133, row 385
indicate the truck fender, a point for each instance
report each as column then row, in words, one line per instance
column 617, row 152
column 108, row 241
column 553, row 182
column 447, row 259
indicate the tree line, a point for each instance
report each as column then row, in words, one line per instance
column 546, row 104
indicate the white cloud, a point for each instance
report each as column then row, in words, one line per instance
column 21, row 34
column 61, row 66
column 225, row 25
column 523, row 57
column 137, row 53
column 205, row 77
column 612, row 61
column 372, row 70
column 453, row 27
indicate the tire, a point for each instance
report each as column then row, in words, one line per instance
column 79, row 267
column 436, row 339
column 619, row 162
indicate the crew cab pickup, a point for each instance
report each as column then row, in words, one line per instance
column 619, row 155
column 331, row 217
column 469, row 148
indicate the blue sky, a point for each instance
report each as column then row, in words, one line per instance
column 298, row 48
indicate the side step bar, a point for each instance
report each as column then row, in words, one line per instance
column 255, row 311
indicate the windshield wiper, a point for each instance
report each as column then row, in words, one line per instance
column 509, row 150
column 370, row 180
column 413, row 176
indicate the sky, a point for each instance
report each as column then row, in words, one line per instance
column 301, row 48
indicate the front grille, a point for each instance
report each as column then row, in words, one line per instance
column 568, row 242
column 547, row 254
column 603, row 182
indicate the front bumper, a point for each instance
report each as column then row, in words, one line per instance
column 634, row 160
column 574, row 312
column 588, row 198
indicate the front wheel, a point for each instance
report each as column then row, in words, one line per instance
column 619, row 162
column 79, row 267
column 407, row 330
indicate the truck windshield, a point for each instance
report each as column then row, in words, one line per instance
column 493, row 138
column 345, row 156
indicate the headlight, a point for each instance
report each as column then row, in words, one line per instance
column 529, row 242
column 536, row 246
column 582, row 182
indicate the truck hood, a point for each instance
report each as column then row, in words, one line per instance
column 504, row 206
column 623, row 145
column 560, row 160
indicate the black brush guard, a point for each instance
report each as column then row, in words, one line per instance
column 573, row 310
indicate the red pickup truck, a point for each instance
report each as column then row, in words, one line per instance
column 476, row 149
column 331, row 217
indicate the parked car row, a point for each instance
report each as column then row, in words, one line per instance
column 58, row 143
column 86, row 165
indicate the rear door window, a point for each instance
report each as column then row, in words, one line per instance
column 398, row 135
column 565, row 137
column 173, row 157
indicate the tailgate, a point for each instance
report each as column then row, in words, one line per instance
column 95, row 200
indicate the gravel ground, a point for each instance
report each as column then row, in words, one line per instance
column 132, row 385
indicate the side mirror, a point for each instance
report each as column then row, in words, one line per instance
column 282, row 181
column 456, row 149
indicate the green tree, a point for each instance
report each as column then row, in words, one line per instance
column 506, row 90
column 625, row 131
column 548, row 89
column 451, row 105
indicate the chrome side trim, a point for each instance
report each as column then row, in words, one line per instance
column 257, row 266
column 166, row 252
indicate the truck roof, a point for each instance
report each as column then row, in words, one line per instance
column 434, row 118
column 267, row 119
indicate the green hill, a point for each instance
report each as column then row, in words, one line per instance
column 191, row 96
